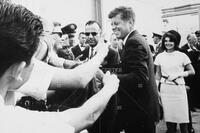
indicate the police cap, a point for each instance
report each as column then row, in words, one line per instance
column 157, row 35
column 70, row 28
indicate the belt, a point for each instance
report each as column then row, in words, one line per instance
column 166, row 77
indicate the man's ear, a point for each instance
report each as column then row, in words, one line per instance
column 18, row 70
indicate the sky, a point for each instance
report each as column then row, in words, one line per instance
column 148, row 13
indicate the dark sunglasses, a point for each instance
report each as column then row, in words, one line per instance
column 92, row 33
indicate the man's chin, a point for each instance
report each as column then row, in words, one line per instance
column 118, row 36
column 92, row 45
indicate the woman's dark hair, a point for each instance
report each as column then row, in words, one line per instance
column 174, row 37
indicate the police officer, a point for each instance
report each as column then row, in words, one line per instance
column 70, row 30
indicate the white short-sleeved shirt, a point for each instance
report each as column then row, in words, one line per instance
column 37, row 84
column 172, row 63
column 20, row 120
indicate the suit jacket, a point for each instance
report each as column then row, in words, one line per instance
column 138, row 91
column 112, row 58
column 185, row 47
column 76, row 50
column 152, row 49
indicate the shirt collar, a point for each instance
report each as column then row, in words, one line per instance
column 81, row 47
column 127, row 37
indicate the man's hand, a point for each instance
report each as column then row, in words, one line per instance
column 102, row 47
column 111, row 82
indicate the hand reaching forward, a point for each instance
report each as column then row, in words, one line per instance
column 111, row 82
column 102, row 47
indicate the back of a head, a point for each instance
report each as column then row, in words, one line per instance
column 19, row 34
column 197, row 33
column 127, row 13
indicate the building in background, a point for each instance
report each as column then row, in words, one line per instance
column 185, row 19
column 151, row 15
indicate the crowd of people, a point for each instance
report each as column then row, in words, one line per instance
column 50, row 83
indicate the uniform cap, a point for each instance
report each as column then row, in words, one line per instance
column 157, row 34
column 70, row 28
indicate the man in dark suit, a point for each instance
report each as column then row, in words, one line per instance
column 81, row 49
column 93, row 34
column 157, row 42
column 197, row 33
column 192, row 52
column 138, row 95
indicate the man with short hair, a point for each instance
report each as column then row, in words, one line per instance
column 157, row 42
column 138, row 95
column 81, row 50
column 70, row 30
column 197, row 33
column 94, row 36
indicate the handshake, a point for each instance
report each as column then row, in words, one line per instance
column 111, row 82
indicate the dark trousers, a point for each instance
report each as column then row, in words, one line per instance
column 125, row 121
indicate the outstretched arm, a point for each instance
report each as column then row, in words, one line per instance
column 80, row 76
column 84, row 116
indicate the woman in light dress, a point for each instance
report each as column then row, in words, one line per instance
column 171, row 68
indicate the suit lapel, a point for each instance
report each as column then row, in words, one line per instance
column 125, row 45
column 133, row 33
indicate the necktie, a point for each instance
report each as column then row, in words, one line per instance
column 92, row 53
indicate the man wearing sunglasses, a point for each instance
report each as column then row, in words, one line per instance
column 93, row 33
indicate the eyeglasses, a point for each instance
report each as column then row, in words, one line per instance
column 92, row 33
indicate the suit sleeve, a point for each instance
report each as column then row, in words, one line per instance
column 134, row 65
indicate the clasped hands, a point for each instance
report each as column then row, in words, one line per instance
column 175, row 76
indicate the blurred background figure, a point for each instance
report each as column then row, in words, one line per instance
column 157, row 42
column 65, row 52
column 191, row 43
column 116, row 44
column 81, row 50
column 191, row 51
column 197, row 33
column 70, row 30
column 150, row 45
column 56, row 35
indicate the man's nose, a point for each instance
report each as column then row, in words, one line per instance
column 113, row 27
column 90, row 36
